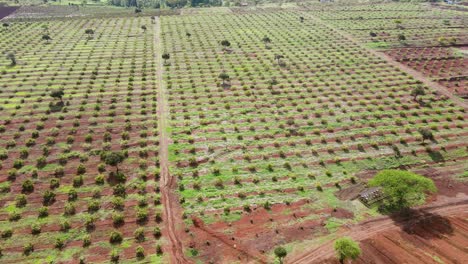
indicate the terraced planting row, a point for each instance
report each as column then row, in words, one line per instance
column 79, row 141
column 287, row 112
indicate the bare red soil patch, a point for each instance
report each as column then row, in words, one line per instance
column 428, row 241
column 248, row 239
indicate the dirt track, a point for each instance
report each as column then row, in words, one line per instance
column 167, row 182
column 368, row 229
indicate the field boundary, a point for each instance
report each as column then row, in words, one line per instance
column 167, row 182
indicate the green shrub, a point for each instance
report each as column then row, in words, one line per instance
column 27, row 186
column 115, row 237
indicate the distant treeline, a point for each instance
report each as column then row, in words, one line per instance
column 163, row 3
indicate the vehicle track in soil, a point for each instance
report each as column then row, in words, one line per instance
column 413, row 73
column 167, row 183
column 370, row 228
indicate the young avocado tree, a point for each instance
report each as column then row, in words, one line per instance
column 280, row 253
column 426, row 134
column 402, row 189
column 346, row 248
column 143, row 27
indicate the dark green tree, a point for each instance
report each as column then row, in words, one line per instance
column 426, row 134
column 225, row 44
column 224, row 77
column 166, row 56
column 12, row 58
column 90, row 33
column 113, row 159
column 46, row 37
column 280, row 253
column 417, row 91
column 278, row 58
column 266, row 40
column 57, row 94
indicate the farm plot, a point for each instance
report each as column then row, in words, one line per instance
column 79, row 141
column 267, row 126
column 397, row 24
column 445, row 65
column 420, row 36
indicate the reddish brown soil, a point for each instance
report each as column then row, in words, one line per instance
column 402, row 238
column 436, row 238
column 248, row 239
column 441, row 64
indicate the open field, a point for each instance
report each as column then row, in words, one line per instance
column 109, row 103
column 224, row 170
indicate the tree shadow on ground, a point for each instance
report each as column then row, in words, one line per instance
column 422, row 223
column 436, row 156
column 57, row 107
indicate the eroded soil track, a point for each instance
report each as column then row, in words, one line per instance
column 167, row 182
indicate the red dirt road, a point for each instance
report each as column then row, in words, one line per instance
column 370, row 229
column 167, row 182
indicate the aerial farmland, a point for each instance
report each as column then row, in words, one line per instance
column 236, row 132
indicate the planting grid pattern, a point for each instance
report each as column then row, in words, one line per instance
column 282, row 131
column 434, row 38
column 279, row 133
column 110, row 89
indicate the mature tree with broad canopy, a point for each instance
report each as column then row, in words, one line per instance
column 402, row 189
column 346, row 248
column 113, row 159
column 224, row 76
column 57, row 94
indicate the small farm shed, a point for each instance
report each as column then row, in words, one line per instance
column 371, row 195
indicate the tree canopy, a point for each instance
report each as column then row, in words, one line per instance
column 281, row 253
column 417, row 91
column 57, row 94
column 402, row 189
column 113, row 158
column 346, row 248
column 225, row 43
